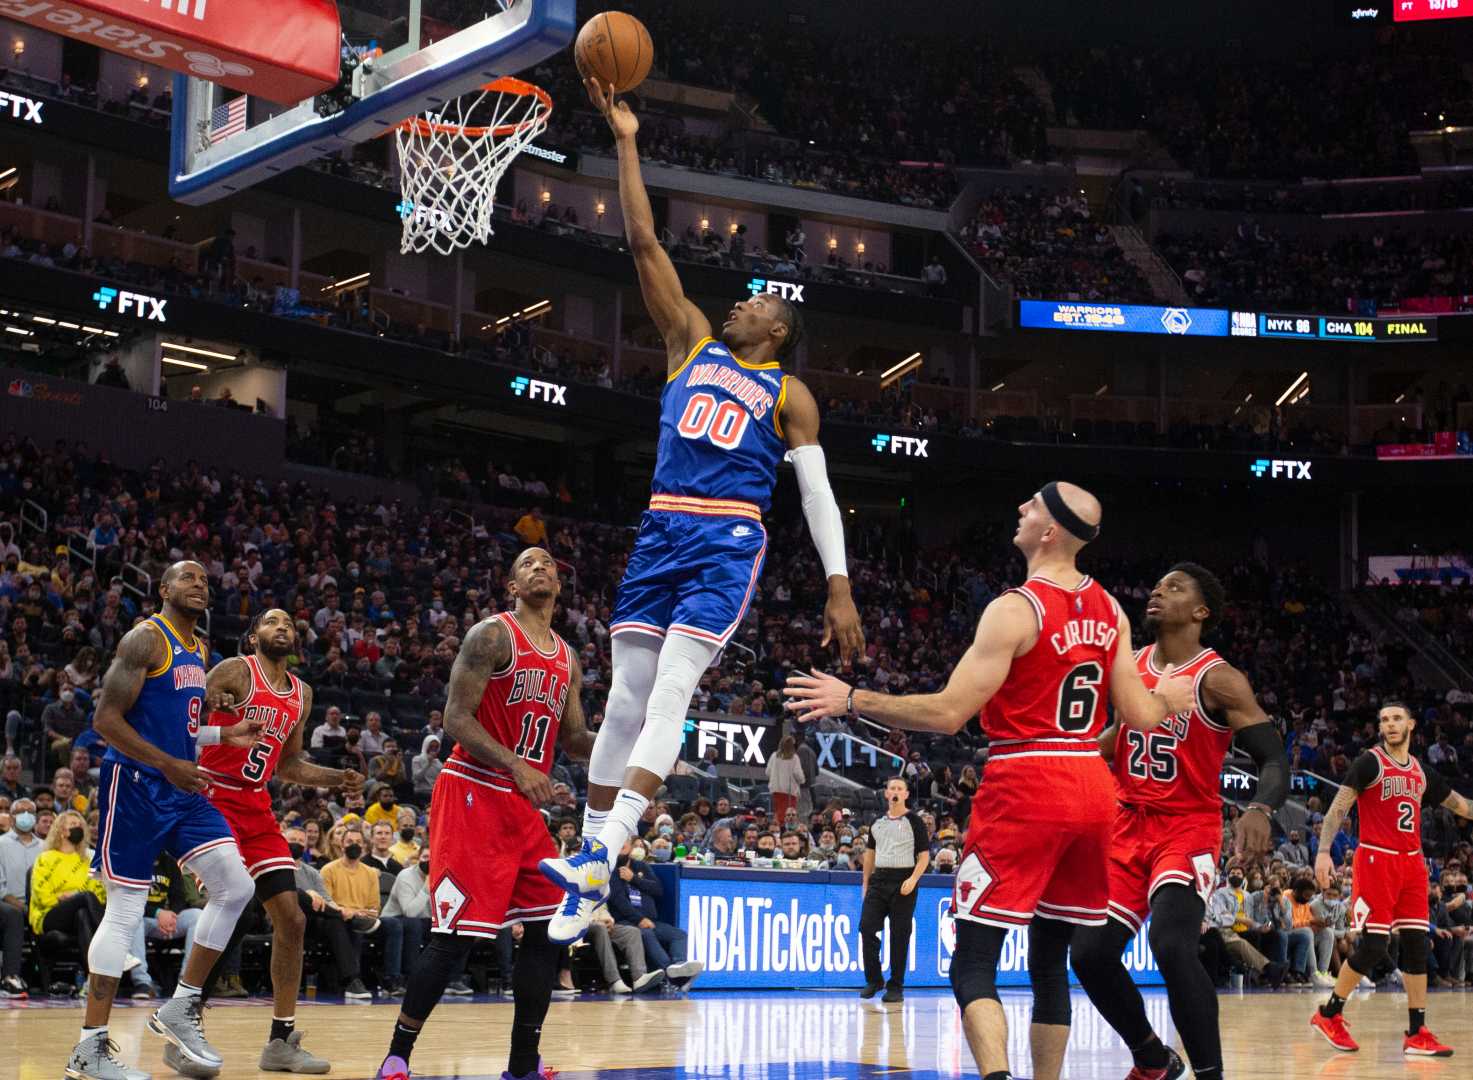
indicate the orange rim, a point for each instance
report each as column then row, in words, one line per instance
column 504, row 85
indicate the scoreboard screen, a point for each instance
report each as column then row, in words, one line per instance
column 1420, row 10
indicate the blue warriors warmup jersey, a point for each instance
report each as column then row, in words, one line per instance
column 720, row 436
column 167, row 712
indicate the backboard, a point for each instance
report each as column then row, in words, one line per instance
column 420, row 61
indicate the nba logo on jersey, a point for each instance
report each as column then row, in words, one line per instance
column 945, row 935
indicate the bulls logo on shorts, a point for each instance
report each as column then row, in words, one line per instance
column 448, row 901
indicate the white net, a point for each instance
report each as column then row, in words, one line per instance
column 450, row 162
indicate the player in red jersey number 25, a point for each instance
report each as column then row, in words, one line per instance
column 1047, row 657
column 1168, row 829
column 1388, row 787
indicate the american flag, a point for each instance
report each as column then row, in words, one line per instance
column 228, row 119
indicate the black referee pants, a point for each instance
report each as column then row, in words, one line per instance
column 884, row 900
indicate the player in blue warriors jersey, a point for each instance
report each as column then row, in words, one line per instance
column 150, row 800
column 728, row 415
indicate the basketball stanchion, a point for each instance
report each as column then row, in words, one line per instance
column 451, row 161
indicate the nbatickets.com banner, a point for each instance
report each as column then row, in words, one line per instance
column 784, row 932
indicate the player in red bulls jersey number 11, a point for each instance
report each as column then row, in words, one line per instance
column 1047, row 657
column 256, row 685
column 1388, row 788
column 514, row 701
column 1168, row 829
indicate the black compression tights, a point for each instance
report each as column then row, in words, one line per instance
column 1176, row 927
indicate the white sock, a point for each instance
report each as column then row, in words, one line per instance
column 593, row 820
column 88, row 1033
column 185, row 990
column 623, row 822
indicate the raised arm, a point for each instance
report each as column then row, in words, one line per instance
column 1007, row 629
column 140, row 651
column 487, row 648
column 1227, row 691
column 1135, row 706
column 798, row 416
column 572, row 732
column 679, row 321
column 297, row 768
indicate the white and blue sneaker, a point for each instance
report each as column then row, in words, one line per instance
column 572, row 920
column 585, row 874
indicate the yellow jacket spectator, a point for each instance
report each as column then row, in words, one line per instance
column 384, row 808
column 352, row 884
column 531, row 528
column 65, row 897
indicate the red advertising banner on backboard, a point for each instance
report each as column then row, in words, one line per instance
column 281, row 50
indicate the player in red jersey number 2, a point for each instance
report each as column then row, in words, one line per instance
column 1168, row 829
column 514, row 700
column 1047, row 657
column 1388, row 788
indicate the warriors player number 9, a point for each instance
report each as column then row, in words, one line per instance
column 722, row 424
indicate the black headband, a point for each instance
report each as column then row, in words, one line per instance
column 1061, row 513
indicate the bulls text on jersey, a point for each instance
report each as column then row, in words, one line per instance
column 276, row 723
column 1392, row 786
column 539, row 686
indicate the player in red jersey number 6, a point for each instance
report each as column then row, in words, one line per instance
column 1047, row 657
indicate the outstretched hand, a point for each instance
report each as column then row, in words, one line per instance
column 841, row 626
column 816, row 695
column 620, row 116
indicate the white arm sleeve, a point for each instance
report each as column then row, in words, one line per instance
column 825, row 524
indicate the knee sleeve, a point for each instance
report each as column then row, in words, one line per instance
column 1176, row 925
column 635, row 659
column 1413, row 952
column 113, row 939
column 1048, row 969
column 1098, row 947
column 682, row 660
column 228, row 890
column 1369, row 953
column 974, row 962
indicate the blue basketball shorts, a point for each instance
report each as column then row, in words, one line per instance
column 692, row 574
column 141, row 814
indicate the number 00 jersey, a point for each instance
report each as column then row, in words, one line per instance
column 1175, row 767
column 1056, row 692
column 1391, row 798
column 253, row 766
column 720, row 436
column 520, row 708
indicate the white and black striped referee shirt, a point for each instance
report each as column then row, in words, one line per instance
column 898, row 841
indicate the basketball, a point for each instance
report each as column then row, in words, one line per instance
column 616, row 48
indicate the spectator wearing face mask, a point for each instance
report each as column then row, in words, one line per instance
column 406, row 921
column 384, row 807
column 18, row 851
column 633, row 893
column 353, row 886
column 63, row 720
column 1328, row 921
column 406, row 848
column 945, row 861
column 1227, row 912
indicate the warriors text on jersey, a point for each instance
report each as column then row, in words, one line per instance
column 1176, row 766
column 1391, row 796
column 720, row 435
column 521, row 706
column 171, row 701
column 252, row 766
column 1058, row 689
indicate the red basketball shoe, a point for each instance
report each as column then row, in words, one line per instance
column 1424, row 1044
column 1334, row 1030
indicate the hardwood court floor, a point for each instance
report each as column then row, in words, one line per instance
column 757, row 1036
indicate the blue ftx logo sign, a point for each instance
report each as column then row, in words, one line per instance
column 900, row 444
column 1289, row 470
column 141, row 305
column 537, row 390
column 787, row 290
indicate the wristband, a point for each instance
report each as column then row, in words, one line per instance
column 1265, row 811
column 209, row 735
column 849, row 703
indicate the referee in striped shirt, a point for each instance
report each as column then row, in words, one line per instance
column 899, row 852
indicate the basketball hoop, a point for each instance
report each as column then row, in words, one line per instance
column 450, row 162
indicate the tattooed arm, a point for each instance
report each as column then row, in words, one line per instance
column 573, row 734
column 140, row 651
column 297, row 768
